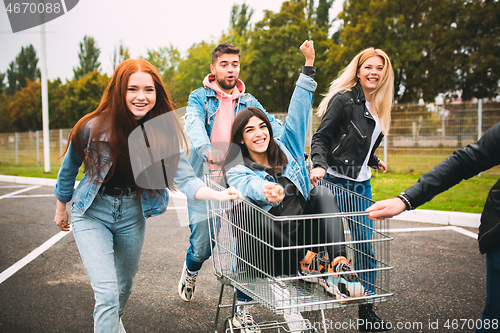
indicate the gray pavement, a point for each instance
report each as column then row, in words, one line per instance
column 438, row 277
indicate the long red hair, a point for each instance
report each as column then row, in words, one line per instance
column 113, row 120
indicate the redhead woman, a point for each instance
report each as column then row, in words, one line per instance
column 110, row 207
column 356, row 114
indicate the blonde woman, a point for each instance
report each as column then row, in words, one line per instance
column 356, row 114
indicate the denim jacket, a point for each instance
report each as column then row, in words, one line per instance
column 292, row 142
column 200, row 117
column 84, row 194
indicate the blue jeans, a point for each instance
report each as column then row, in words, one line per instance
column 361, row 229
column 109, row 236
column 492, row 305
column 199, row 241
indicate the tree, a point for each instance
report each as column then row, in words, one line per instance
column 27, row 66
column 120, row 54
column 23, row 68
column 166, row 60
column 323, row 14
column 240, row 19
column 478, row 55
column 89, row 56
column 2, row 82
column 5, row 124
column 191, row 71
column 12, row 75
column 273, row 59
column 57, row 115
column 26, row 108
column 239, row 27
column 81, row 96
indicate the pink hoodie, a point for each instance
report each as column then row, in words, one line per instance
column 221, row 132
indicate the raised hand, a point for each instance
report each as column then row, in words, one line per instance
column 307, row 49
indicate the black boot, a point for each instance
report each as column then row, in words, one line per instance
column 369, row 321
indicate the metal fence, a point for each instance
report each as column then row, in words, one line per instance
column 27, row 148
column 420, row 137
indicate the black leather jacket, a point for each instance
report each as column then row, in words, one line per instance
column 464, row 164
column 343, row 138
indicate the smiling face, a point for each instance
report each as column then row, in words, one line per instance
column 141, row 94
column 227, row 71
column 256, row 138
column 369, row 74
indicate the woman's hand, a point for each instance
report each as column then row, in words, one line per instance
column 205, row 193
column 230, row 193
column 214, row 156
column 386, row 209
column 274, row 192
column 307, row 49
column 316, row 174
column 382, row 166
column 61, row 217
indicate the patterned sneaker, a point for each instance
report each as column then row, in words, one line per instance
column 331, row 288
column 348, row 284
column 317, row 264
column 243, row 320
column 187, row 284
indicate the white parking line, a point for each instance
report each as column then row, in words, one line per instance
column 32, row 196
column 30, row 257
column 13, row 186
column 452, row 228
column 20, row 191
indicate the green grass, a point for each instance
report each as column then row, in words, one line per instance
column 468, row 196
column 32, row 171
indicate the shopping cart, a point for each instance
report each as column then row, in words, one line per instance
column 246, row 257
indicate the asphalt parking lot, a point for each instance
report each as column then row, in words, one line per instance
column 438, row 280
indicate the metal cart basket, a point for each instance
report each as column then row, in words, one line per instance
column 246, row 256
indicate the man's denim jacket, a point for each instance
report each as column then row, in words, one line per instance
column 200, row 117
column 84, row 195
column 292, row 142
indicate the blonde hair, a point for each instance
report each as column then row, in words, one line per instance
column 382, row 97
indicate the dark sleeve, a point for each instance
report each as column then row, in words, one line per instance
column 322, row 139
column 373, row 160
column 309, row 71
column 463, row 164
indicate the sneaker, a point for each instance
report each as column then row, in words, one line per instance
column 369, row 322
column 121, row 328
column 296, row 323
column 348, row 284
column 187, row 284
column 316, row 265
column 331, row 288
column 243, row 320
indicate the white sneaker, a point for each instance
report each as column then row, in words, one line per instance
column 295, row 321
column 187, row 284
column 243, row 320
column 121, row 328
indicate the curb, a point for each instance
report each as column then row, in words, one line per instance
column 52, row 182
column 458, row 219
column 418, row 215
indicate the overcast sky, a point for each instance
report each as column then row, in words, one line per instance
column 140, row 25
